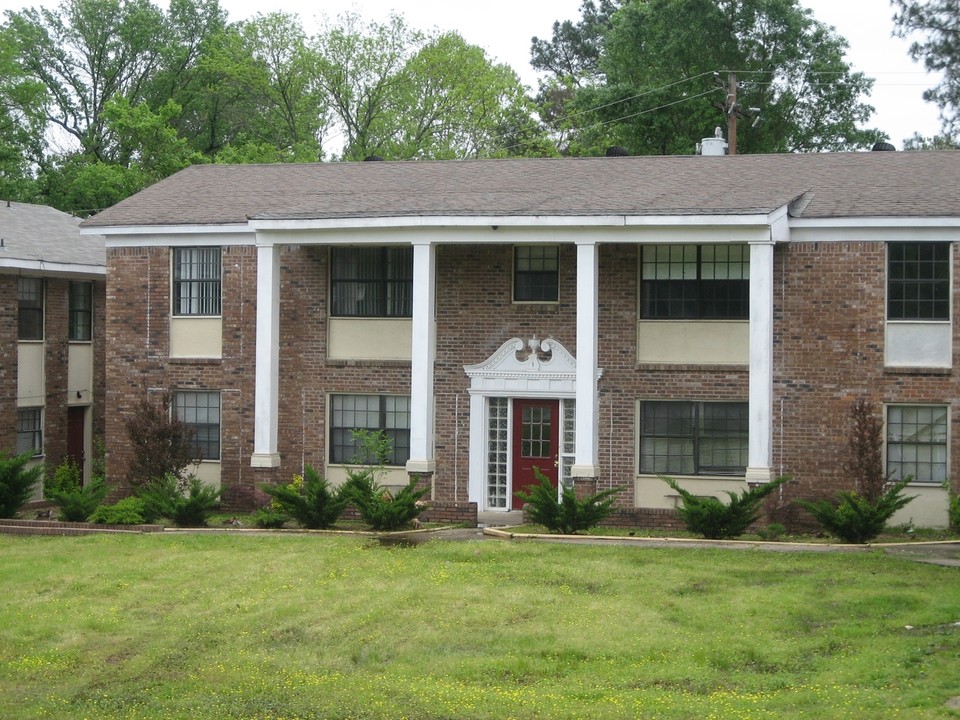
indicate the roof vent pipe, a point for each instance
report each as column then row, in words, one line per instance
column 883, row 146
column 617, row 151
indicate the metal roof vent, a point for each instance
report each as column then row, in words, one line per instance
column 883, row 146
column 617, row 151
column 373, row 158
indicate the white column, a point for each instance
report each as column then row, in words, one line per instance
column 266, row 397
column 478, row 451
column 421, row 366
column 585, row 462
column 760, row 460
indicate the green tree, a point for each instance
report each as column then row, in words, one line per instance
column 659, row 82
column 938, row 22
column 22, row 124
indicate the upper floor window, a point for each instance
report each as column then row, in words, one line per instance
column 81, row 310
column 918, row 281
column 371, row 281
column 695, row 282
column 29, row 308
column 693, row 438
column 536, row 273
column 200, row 413
column 196, row 281
column 30, row 430
column 389, row 414
column 917, row 442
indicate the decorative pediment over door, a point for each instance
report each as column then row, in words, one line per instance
column 527, row 368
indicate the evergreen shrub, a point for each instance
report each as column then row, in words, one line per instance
column 715, row 519
column 561, row 512
column 17, row 482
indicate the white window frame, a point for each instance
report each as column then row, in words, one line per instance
column 891, row 455
column 191, row 413
column 337, row 425
column 30, row 438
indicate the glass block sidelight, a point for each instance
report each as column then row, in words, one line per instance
column 498, row 452
column 568, row 441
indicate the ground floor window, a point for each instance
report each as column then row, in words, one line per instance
column 200, row 412
column 30, row 430
column 389, row 414
column 917, row 442
column 693, row 438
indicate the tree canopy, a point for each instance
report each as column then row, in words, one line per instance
column 938, row 22
column 651, row 75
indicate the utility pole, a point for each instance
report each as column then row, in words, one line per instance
column 731, row 108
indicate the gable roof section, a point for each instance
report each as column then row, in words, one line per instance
column 43, row 239
column 868, row 184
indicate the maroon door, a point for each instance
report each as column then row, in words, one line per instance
column 535, row 443
column 75, row 427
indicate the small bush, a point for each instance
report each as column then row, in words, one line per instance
column 714, row 519
column 17, row 482
column 953, row 509
column 270, row 519
column 855, row 519
column 309, row 499
column 378, row 507
column 161, row 443
column 128, row 511
column 565, row 514
column 185, row 503
column 75, row 500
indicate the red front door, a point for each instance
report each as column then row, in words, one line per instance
column 535, row 443
column 76, row 419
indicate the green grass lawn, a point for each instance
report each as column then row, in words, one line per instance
column 307, row 626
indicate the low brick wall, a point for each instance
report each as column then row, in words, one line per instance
column 55, row 527
column 449, row 512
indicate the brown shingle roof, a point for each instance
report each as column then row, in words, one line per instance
column 869, row 184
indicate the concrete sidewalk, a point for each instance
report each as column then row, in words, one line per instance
column 499, row 518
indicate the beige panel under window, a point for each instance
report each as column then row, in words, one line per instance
column 196, row 337
column 369, row 339
column 693, row 342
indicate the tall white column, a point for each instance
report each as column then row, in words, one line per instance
column 585, row 462
column 760, row 460
column 266, row 397
column 421, row 366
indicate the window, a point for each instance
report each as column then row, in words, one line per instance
column 30, row 308
column 200, row 412
column 387, row 413
column 917, row 442
column 196, row 281
column 81, row 310
column 371, row 282
column 695, row 282
column 536, row 273
column 918, row 281
column 689, row 438
column 30, row 430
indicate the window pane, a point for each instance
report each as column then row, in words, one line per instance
column 917, row 442
column 29, row 308
column 689, row 282
column 389, row 414
column 30, row 430
column 371, row 281
column 196, row 281
column 200, row 412
column 81, row 310
column 918, row 281
column 691, row 438
column 536, row 273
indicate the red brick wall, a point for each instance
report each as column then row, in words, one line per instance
column 8, row 363
column 829, row 352
column 829, row 318
column 57, row 354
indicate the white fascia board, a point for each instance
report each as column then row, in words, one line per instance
column 525, row 221
column 180, row 236
column 876, row 222
column 46, row 267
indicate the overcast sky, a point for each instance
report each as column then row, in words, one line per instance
column 504, row 29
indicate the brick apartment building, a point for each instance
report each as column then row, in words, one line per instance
column 53, row 290
column 603, row 319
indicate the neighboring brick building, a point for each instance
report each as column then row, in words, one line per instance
column 52, row 301
column 604, row 319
